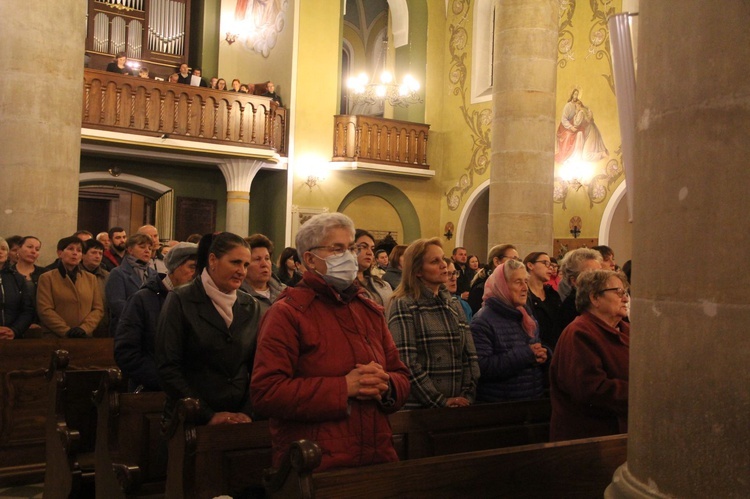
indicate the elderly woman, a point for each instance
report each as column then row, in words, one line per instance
column 511, row 356
column 326, row 368
column 16, row 299
column 589, row 370
column 573, row 263
column 260, row 282
column 431, row 332
column 69, row 302
column 206, row 335
column 377, row 289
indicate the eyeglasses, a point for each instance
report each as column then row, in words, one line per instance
column 620, row 292
column 455, row 273
column 337, row 250
column 546, row 263
column 510, row 257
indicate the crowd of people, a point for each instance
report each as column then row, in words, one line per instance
column 338, row 332
column 194, row 77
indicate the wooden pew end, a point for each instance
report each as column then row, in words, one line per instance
column 294, row 477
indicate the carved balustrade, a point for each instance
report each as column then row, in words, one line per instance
column 380, row 140
column 149, row 107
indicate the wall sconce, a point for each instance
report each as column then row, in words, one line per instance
column 115, row 171
column 312, row 181
column 231, row 37
column 449, row 231
column 575, row 225
column 576, row 173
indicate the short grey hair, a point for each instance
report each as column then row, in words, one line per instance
column 4, row 244
column 592, row 282
column 314, row 231
column 572, row 263
column 511, row 266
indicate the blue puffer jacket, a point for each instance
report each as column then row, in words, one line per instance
column 509, row 369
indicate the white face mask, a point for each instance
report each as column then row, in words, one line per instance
column 341, row 270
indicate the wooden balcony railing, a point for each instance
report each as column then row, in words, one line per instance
column 380, row 140
column 149, row 107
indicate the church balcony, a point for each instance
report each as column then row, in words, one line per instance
column 380, row 144
column 151, row 113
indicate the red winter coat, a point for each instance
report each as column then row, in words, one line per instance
column 309, row 340
column 589, row 380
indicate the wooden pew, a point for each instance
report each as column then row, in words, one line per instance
column 23, row 397
column 131, row 453
column 207, row 461
column 435, row 432
column 576, row 468
column 70, row 429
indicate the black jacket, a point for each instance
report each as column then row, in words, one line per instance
column 199, row 357
column 548, row 314
column 136, row 334
column 16, row 301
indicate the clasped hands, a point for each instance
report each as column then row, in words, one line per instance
column 540, row 353
column 229, row 418
column 367, row 381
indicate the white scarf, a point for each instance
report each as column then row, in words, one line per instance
column 222, row 301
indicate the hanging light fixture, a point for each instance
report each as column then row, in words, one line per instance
column 386, row 90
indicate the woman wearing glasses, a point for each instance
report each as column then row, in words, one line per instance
column 431, row 332
column 544, row 301
column 377, row 289
column 589, row 370
column 326, row 368
column 512, row 358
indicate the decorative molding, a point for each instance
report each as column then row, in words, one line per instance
column 609, row 212
column 478, row 122
column 239, row 173
column 104, row 178
column 463, row 219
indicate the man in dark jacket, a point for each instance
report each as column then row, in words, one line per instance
column 134, row 338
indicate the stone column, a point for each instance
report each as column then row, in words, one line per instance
column 523, row 129
column 239, row 174
column 689, row 419
column 41, row 91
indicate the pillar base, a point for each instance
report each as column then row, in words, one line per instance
column 625, row 486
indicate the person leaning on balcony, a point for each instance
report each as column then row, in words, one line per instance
column 184, row 75
column 270, row 92
column 119, row 65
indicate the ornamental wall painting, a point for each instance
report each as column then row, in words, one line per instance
column 261, row 22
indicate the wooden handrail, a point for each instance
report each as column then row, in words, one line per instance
column 380, row 140
column 148, row 107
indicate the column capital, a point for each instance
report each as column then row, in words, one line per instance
column 240, row 172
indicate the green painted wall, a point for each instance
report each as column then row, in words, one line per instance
column 187, row 181
column 267, row 201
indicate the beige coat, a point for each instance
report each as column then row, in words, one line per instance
column 63, row 304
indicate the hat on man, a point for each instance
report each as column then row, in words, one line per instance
column 179, row 254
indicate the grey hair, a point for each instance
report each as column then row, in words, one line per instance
column 510, row 267
column 592, row 282
column 4, row 244
column 572, row 263
column 315, row 230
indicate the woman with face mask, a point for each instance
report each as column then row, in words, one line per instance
column 431, row 331
column 326, row 368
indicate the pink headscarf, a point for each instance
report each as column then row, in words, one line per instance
column 497, row 287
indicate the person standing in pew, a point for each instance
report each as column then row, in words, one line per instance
column 206, row 335
column 431, row 332
column 326, row 367
column 69, row 302
column 590, row 368
column 512, row 358
column 136, row 332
